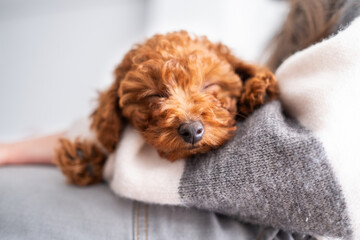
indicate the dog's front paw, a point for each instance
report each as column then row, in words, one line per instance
column 258, row 90
column 80, row 161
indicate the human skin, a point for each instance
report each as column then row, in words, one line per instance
column 31, row 151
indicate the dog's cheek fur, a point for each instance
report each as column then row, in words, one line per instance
column 137, row 115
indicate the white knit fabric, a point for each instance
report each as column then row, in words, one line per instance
column 137, row 171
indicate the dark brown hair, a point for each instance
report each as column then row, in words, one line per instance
column 309, row 22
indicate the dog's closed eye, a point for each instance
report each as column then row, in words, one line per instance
column 155, row 96
column 211, row 88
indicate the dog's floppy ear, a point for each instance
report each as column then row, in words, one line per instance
column 107, row 121
column 259, row 83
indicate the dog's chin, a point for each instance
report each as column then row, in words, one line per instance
column 185, row 152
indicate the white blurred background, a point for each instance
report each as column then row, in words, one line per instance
column 55, row 54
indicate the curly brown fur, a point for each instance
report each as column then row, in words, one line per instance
column 171, row 80
column 257, row 90
column 80, row 161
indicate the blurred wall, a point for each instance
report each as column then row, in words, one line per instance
column 55, row 54
column 244, row 26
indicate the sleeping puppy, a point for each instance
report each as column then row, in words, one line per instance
column 182, row 93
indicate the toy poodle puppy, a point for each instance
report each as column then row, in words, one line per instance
column 181, row 92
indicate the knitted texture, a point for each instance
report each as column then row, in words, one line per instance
column 274, row 172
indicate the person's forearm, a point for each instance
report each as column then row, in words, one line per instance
column 38, row 150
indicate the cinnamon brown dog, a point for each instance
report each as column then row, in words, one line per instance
column 182, row 93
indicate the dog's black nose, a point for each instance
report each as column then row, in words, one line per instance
column 191, row 132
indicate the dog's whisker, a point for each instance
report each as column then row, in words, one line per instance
column 241, row 115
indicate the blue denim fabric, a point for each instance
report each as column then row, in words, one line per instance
column 35, row 203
